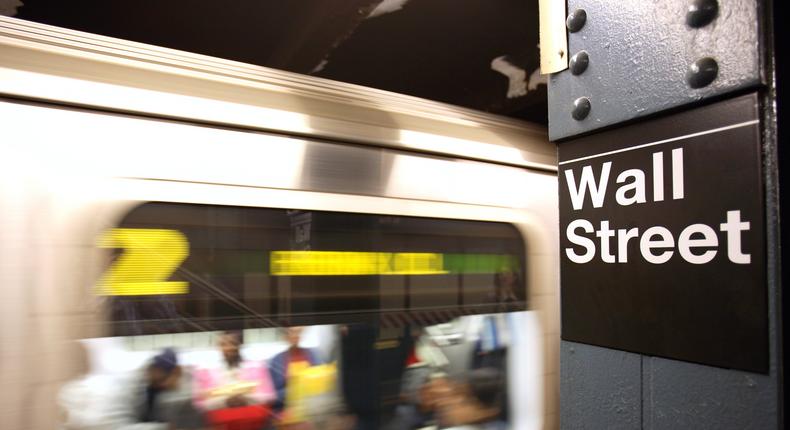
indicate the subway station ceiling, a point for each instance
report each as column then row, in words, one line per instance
column 480, row 54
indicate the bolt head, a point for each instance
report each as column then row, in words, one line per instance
column 702, row 72
column 701, row 13
column 576, row 20
column 579, row 62
column 581, row 108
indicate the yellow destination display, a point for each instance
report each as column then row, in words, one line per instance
column 327, row 263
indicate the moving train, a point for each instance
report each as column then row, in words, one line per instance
column 152, row 199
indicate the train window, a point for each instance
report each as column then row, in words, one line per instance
column 182, row 267
column 233, row 317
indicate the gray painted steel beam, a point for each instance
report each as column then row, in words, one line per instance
column 642, row 56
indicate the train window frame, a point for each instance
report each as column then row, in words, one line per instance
column 128, row 193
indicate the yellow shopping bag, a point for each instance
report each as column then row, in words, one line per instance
column 305, row 381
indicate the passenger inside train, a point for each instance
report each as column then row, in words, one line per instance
column 445, row 380
column 284, row 367
column 162, row 375
column 237, row 390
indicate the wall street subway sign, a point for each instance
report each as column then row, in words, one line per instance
column 662, row 237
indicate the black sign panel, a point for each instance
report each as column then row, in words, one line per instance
column 662, row 237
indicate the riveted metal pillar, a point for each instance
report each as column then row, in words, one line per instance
column 641, row 64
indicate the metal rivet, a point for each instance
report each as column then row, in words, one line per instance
column 702, row 72
column 701, row 12
column 576, row 20
column 579, row 62
column 581, row 108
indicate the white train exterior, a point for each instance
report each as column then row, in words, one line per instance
column 91, row 127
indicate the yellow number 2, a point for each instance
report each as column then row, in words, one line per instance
column 150, row 256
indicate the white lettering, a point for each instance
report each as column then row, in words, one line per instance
column 638, row 187
column 677, row 174
column 646, row 244
column 658, row 177
column 605, row 233
column 685, row 243
column 623, row 236
column 587, row 181
column 582, row 241
column 734, row 227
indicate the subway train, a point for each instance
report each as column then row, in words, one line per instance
column 155, row 204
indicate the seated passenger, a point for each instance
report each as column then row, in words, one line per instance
column 159, row 399
column 477, row 406
column 93, row 400
column 292, row 359
column 235, row 384
column 166, row 396
column 163, row 374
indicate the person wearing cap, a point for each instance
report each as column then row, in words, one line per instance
column 166, row 395
column 162, row 374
